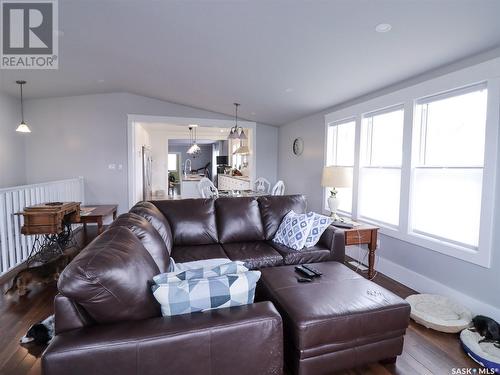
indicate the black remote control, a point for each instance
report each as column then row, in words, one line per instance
column 312, row 269
column 305, row 272
column 304, row 279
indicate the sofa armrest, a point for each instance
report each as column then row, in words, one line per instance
column 333, row 238
column 243, row 340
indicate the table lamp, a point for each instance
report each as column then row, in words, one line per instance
column 336, row 177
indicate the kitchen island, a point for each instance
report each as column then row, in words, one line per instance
column 189, row 186
column 227, row 182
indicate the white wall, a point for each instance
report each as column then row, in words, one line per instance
column 421, row 268
column 267, row 149
column 12, row 143
column 81, row 135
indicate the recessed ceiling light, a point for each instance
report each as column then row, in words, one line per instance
column 289, row 89
column 193, row 125
column 383, row 28
column 100, row 81
column 253, row 113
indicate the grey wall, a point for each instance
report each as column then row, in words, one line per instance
column 81, row 135
column 199, row 161
column 302, row 175
column 267, row 150
column 12, row 144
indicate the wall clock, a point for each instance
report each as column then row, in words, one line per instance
column 298, row 146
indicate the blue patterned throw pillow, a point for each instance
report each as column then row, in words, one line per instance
column 319, row 225
column 193, row 295
column 201, row 273
column 294, row 229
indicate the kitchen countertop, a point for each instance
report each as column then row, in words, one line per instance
column 189, row 178
column 242, row 178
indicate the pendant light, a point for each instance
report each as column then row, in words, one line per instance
column 236, row 132
column 193, row 149
column 22, row 127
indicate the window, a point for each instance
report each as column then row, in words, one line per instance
column 380, row 165
column 172, row 162
column 340, row 152
column 448, row 162
column 236, row 159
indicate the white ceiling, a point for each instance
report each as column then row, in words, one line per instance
column 281, row 59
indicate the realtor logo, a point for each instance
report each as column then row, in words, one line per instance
column 29, row 34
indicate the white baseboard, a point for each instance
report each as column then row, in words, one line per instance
column 423, row 284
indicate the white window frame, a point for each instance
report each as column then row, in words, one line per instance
column 420, row 164
column 364, row 116
column 326, row 190
column 487, row 74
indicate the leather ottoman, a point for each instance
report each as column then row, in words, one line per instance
column 338, row 321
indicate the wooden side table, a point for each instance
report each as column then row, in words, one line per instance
column 97, row 214
column 364, row 235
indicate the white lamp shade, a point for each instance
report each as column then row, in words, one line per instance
column 233, row 134
column 338, row 177
column 23, row 128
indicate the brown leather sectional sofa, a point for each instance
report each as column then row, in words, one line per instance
column 107, row 320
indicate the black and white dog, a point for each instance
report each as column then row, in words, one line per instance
column 40, row 333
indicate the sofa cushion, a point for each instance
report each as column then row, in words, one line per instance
column 194, row 295
column 192, row 220
column 149, row 211
column 110, row 278
column 238, row 219
column 255, row 254
column 317, row 253
column 183, row 254
column 274, row 208
column 148, row 235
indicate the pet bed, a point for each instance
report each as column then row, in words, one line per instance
column 439, row 313
column 485, row 353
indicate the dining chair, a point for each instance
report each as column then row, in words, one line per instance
column 207, row 189
column 278, row 188
column 262, row 185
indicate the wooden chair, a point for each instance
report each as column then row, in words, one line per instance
column 278, row 188
column 262, row 185
column 207, row 189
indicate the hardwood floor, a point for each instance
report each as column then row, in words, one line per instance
column 425, row 351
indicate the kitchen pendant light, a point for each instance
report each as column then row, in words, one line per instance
column 22, row 127
column 236, row 131
column 242, row 150
column 193, row 149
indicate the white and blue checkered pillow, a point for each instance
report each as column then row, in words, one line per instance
column 200, row 273
column 319, row 225
column 294, row 229
column 193, row 295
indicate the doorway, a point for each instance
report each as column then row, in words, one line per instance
column 157, row 132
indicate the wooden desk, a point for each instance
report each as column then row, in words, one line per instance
column 364, row 235
column 49, row 218
column 97, row 214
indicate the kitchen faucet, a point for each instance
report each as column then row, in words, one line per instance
column 185, row 167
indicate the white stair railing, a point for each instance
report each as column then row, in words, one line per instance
column 15, row 247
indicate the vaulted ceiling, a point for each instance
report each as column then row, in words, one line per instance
column 281, row 59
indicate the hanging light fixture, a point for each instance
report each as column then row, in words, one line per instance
column 22, row 127
column 193, row 149
column 236, row 132
column 242, row 150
